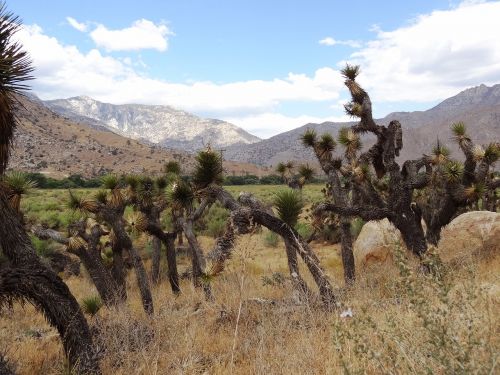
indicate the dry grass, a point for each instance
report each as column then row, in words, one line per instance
column 387, row 334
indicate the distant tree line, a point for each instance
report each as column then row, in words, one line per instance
column 78, row 181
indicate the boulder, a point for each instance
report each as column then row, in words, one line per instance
column 375, row 242
column 473, row 234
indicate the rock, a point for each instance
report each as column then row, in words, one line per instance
column 375, row 242
column 475, row 234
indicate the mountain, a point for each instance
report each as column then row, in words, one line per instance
column 49, row 143
column 478, row 107
column 158, row 124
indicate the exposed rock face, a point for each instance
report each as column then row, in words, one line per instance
column 473, row 234
column 375, row 243
column 158, row 124
column 478, row 107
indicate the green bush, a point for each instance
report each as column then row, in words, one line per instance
column 91, row 305
column 42, row 247
column 271, row 239
column 214, row 222
column 305, row 230
column 356, row 226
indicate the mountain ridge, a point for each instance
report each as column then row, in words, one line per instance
column 162, row 125
column 478, row 107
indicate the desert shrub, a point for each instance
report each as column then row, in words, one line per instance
column 356, row 226
column 271, row 239
column 276, row 279
column 91, row 305
column 304, row 229
column 433, row 323
column 214, row 222
column 42, row 247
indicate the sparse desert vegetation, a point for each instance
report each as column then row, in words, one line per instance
column 389, row 267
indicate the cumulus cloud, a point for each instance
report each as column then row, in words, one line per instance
column 80, row 26
column 434, row 56
column 430, row 58
column 63, row 70
column 329, row 41
column 268, row 124
column 143, row 34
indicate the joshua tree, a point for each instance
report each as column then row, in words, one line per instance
column 83, row 241
column 368, row 203
column 454, row 186
column 340, row 187
column 148, row 198
column 109, row 207
column 296, row 179
column 28, row 279
column 245, row 215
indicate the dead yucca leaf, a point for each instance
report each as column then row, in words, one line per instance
column 75, row 243
column 117, row 198
column 474, row 192
column 478, row 153
column 137, row 221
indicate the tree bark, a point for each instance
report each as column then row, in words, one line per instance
column 118, row 271
column 173, row 275
column 197, row 258
column 155, row 260
column 45, row 289
column 347, row 254
column 297, row 281
column 140, row 271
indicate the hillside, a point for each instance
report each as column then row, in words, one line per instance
column 478, row 107
column 158, row 124
column 57, row 146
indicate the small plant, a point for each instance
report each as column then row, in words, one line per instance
column 91, row 305
column 289, row 205
column 276, row 279
column 271, row 239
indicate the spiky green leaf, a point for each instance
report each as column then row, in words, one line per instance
column 289, row 205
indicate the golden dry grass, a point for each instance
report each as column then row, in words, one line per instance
column 241, row 333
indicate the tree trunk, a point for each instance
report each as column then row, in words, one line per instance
column 197, row 259
column 173, row 275
column 412, row 232
column 142, row 280
column 140, row 271
column 347, row 255
column 118, row 271
column 45, row 289
column 104, row 283
column 155, row 260
column 297, row 281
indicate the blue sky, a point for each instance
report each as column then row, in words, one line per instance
column 267, row 66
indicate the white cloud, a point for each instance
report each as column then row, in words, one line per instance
column 434, row 56
column 80, row 26
column 143, row 34
column 268, row 124
column 64, row 71
column 429, row 59
column 329, row 41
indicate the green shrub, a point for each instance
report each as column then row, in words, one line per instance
column 356, row 226
column 91, row 305
column 305, row 230
column 214, row 222
column 271, row 239
column 42, row 247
